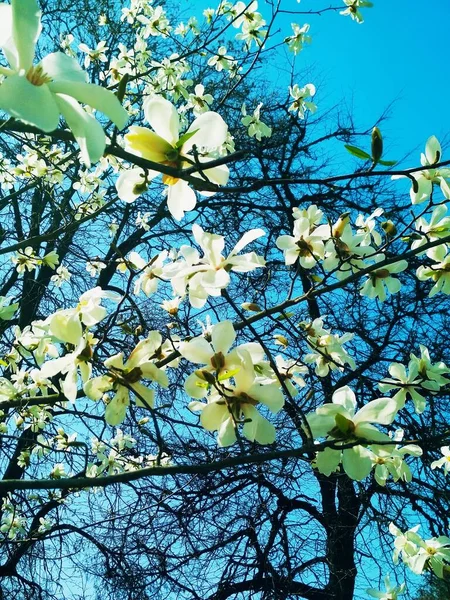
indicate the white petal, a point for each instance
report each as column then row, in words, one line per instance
column 163, row 117
column 213, row 416
column 223, row 336
column 87, row 131
column 212, row 132
column 198, row 351
column 258, row 429
column 93, row 95
column 5, row 24
column 30, row 103
column 328, row 461
column 381, row 411
column 269, row 395
column 61, row 67
column 346, row 398
column 195, row 387
column 26, row 30
column 433, row 150
column 246, row 239
column 127, row 185
column 357, row 462
column 180, row 199
column 117, row 409
column 145, row 397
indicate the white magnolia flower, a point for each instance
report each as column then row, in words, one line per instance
column 338, row 421
column 208, row 275
column 437, row 228
column 424, row 180
column 302, row 99
column 439, row 272
column 165, row 146
column 39, row 94
column 236, row 403
column 66, row 324
column 444, row 462
column 366, row 226
column 392, row 592
column 256, row 128
column 381, row 280
column 353, row 9
column 296, row 41
column 126, row 377
column 306, row 243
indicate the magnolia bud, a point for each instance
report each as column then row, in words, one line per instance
column 389, row 228
column 377, row 145
column 251, row 307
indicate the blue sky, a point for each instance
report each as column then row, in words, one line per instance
column 398, row 55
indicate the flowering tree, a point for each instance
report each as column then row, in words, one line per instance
column 224, row 359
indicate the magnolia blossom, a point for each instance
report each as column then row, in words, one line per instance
column 39, row 94
column 439, row 272
column 423, row 186
column 306, row 244
column 296, row 41
column 150, row 270
column 345, row 252
column 126, row 377
column 69, row 364
column 444, row 462
column 353, row 9
column 338, row 421
column 366, row 226
column 422, row 377
column 164, row 145
column 208, row 275
column 215, row 357
column 66, row 325
column 390, row 461
column 392, row 592
column 231, row 404
column 418, row 553
column 381, row 280
column 437, row 228
column 302, row 99
column 256, row 128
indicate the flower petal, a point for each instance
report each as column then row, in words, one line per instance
column 26, row 30
column 180, row 199
column 163, row 118
column 86, row 129
column 61, row 67
column 30, row 103
column 212, row 132
column 93, row 95
column 143, row 142
column 223, row 336
column 357, row 462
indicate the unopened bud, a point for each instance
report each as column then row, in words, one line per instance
column 251, row 307
column 377, row 145
column 389, row 228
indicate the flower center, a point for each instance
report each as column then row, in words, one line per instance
column 36, row 76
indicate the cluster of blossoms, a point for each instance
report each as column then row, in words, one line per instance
column 193, row 275
column 419, row 554
column 338, row 250
column 422, row 377
column 327, row 349
column 232, row 385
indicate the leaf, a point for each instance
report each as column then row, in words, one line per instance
column 357, row 152
column 185, row 137
column 388, row 163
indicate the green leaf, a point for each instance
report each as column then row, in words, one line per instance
column 357, row 152
column 185, row 137
column 388, row 163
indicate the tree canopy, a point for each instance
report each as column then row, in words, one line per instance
column 224, row 321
